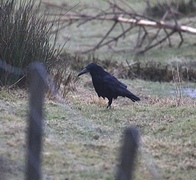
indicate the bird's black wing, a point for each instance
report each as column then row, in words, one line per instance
column 113, row 86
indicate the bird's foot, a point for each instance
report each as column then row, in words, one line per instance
column 108, row 107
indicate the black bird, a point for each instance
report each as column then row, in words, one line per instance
column 106, row 85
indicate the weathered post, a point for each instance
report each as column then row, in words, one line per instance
column 35, row 121
column 128, row 154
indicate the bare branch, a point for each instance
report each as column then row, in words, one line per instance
column 159, row 42
column 169, row 41
column 108, row 42
column 106, row 35
column 182, row 39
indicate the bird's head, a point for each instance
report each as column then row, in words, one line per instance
column 92, row 67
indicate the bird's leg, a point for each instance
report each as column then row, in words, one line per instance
column 109, row 103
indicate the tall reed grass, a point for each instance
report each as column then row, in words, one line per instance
column 24, row 37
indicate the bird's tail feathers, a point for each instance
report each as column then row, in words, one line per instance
column 132, row 96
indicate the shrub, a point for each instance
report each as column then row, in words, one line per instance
column 24, row 37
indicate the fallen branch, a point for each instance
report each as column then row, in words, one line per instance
column 160, row 24
column 163, row 30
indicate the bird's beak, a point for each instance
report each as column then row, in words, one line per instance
column 83, row 71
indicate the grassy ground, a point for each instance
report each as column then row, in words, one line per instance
column 82, row 137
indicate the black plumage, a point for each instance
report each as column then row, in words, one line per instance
column 106, row 85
